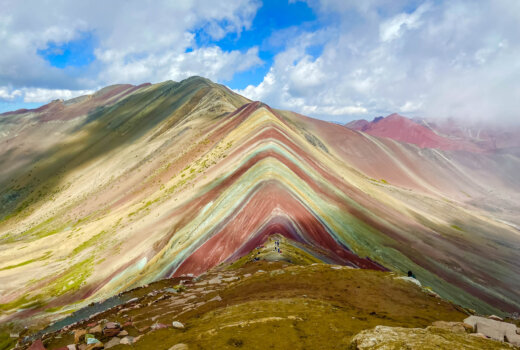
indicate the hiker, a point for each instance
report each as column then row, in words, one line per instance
column 410, row 274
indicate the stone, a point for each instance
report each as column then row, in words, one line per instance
column 136, row 339
column 96, row 329
column 177, row 324
column 94, row 346
column 217, row 298
column 179, row 346
column 112, row 342
column 496, row 318
column 493, row 329
column 479, row 335
column 112, row 325
column 456, row 327
column 111, row 329
column 144, row 329
column 90, row 339
column 128, row 324
column 71, row 347
column 78, row 334
column 37, row 345
column 123, row 333
column 92, row 324
column 395, row 338
column 127, row 340
column 82, row 346
column 158, row 326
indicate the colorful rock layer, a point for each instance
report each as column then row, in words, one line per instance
column 134, row 184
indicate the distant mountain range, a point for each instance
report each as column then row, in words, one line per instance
column 448, row 134
column 132, row 184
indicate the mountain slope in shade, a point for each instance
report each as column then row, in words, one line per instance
column 176, row 178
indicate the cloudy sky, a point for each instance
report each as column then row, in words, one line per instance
column 332, row 59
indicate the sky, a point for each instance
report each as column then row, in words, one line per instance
column 336, row 60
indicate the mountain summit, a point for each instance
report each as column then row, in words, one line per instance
column 134, row 184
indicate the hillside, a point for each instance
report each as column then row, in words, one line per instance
column 135, row 184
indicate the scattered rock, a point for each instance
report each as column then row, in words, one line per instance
column 136, row 339
column 179, row 346
column 158, row 326
column 96, row 329
column 144, row 329
column 217, row 298
column 123, row 333
column 496, row 318
column 496, row 330
column 456, row 327
column 215, row 280
column 395, row 338
column 479, row 335
column 94, row 346
column 111, row 329
column 78, row 334
column 112, row 342
column 90, row 339
column 37, row 345
column 127, row 340
column 177, row 324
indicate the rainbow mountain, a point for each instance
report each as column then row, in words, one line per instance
column 133, row 184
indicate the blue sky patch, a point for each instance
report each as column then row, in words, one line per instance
column 75, row 53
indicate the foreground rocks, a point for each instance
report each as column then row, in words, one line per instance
column 396, row 338
column 493, row 328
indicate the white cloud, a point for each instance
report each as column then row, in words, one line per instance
column 45, row 95
column 454, row 58
column 9, row 94
column 34, row 95
column 394, row 27
column 135, row 41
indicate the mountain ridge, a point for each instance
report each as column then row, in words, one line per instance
column 177, row 178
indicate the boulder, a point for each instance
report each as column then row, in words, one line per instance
column 127, row 340
column 497, row 330
column 96, row 329
column 111, row 329
column 94, row 346
column 456, row 327
column 158, row 326
column 78, row 334
column 177, row 324
column 495, row 317
column 37, row 345
column 90, row 339
column 396, row 338
column 217, row 298
column 112, row 342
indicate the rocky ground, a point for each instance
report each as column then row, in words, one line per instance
column 278, row 297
